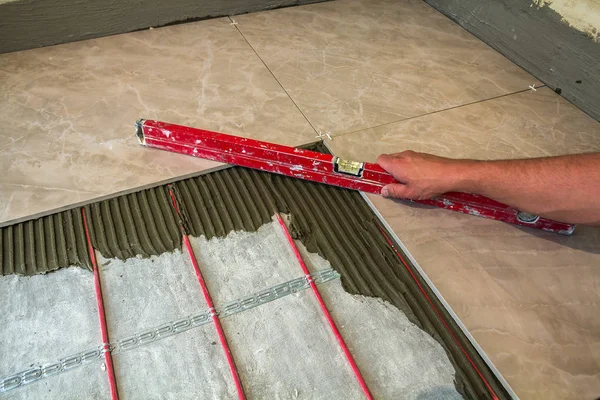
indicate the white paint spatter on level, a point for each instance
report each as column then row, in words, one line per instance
column 472, row 211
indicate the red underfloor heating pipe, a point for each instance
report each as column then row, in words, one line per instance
column 492, row 393
column 330, row 320
column 209, row 303
column 101, row 315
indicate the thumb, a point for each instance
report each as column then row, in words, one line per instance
column 395, row 190
column 385, row 161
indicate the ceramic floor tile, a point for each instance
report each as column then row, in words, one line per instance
column 529, row 124
column 69, row 110
column 530, row 298
column 354, row 64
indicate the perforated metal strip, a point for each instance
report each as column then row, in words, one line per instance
column 163, row 331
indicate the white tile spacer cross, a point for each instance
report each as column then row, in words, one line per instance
column 233, row 22
column 532, row 87
column 326, row 134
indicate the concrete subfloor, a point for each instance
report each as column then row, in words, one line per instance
column 283, row 349
column 45, row 318
column 144, row 293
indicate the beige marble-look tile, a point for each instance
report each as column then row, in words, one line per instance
column 528, row 124
column 355, row 64
column 68, row 111
column 530, row 298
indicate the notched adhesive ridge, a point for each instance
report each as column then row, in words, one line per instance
column 43, row 245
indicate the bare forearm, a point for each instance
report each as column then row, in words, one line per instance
column 565, row 188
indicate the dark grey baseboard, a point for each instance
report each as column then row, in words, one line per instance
column 26, row 24
column 562, row 57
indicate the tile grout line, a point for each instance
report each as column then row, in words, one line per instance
column 439, row 111
column 235, row 24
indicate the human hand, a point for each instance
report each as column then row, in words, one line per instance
column 422, row 176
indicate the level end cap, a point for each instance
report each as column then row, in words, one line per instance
column 139, row 131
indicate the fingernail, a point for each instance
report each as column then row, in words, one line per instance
column 384, row 191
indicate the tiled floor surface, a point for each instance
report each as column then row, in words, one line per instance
column 381, row 76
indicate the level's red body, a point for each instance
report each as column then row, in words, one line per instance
column 318, row 167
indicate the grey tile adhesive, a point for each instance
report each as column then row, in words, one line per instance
column 336, row 223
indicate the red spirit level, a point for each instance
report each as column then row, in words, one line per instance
column 319, row 167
